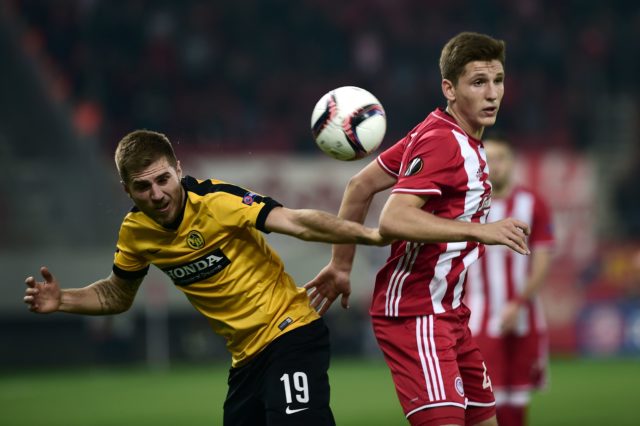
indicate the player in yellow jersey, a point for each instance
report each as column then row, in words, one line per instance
column 206, row 235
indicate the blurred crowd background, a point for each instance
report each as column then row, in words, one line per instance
column 233, row 85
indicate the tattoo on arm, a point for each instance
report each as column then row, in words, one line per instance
column 115, row 298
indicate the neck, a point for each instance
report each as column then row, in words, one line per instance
column 475, row 133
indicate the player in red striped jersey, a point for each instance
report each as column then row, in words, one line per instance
column 436, row 213
column 507, row 320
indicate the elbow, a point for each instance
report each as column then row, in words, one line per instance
column 359, row 184
column 387, row 230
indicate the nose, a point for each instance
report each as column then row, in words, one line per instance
column 156, row 193
column 492, row 92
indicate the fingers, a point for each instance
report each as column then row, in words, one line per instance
column 344, row 301
column 518, row 245
column 324, row 306
column 30, row 282
column 522, row 226
column 30, row 299
column 48, row 277
column 319, row 301
column 315, row 298
column 515, row 233
column 522, row 246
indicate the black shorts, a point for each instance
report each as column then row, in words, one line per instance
column 285, row 384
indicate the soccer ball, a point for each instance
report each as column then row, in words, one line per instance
column 348, row 123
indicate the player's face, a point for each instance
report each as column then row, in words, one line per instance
column 500, row 159
column 476, row 97
column 157, row 192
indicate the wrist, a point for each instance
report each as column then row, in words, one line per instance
column 473, row 232
column 342, row 265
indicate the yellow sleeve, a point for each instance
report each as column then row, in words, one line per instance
column 127, row 263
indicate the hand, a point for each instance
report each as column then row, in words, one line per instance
column 44, row 296
column 509, row 317
column 509, row 232
column 326, row 286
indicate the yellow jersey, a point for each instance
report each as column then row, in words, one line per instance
column 219, row 258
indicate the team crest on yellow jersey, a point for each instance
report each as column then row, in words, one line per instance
column 195, row 240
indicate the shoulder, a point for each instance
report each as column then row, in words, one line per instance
column 438, row 130
column 135, row 219
column 214, row 192
column 211, row 186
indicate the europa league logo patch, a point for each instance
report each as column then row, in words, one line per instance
column 248, row 198
column 459, row 386
column 414, row 167
column 195, row 240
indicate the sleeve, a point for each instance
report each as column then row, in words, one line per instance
column 241, row 208
column 428, row 165
column 542, row 225
column 127, row 263
column 391, row 159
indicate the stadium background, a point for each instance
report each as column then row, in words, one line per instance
column 233, row 85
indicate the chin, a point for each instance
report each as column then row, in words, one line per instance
column 487, row 123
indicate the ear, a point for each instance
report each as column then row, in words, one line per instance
column 179, row 170
column 448, row 90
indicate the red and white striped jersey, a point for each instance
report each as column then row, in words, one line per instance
column 501, row 274
column 439, row 160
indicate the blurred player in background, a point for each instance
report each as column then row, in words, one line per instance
column 436, row 212
column 507, row 320
column 205, row 235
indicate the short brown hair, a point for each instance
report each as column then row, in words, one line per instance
column 139, row 149
column 468, row 47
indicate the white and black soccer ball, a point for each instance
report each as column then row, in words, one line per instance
column 348, row 123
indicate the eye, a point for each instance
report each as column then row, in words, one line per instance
column 141, row 186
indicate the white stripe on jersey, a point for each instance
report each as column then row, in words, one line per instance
column 429, row 358
column 384, row 166
column 423, row 359
column 474, row 196
column 434, row 353
column 413, row 191
column 476, row 299
column 471, row 257
column 402, row 271
column 495, row 261
column 438, row 285
column 523, row 210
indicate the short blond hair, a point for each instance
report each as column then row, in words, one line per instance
column 138, row 149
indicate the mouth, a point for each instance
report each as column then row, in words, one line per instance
column 490, row 111
column 163, row 208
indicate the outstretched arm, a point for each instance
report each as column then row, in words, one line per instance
column 403, row 218
column 317, row 225
column 333, row 279
column 110, row 295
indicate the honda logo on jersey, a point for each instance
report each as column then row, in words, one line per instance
column 414, row 166
column 199, row 269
